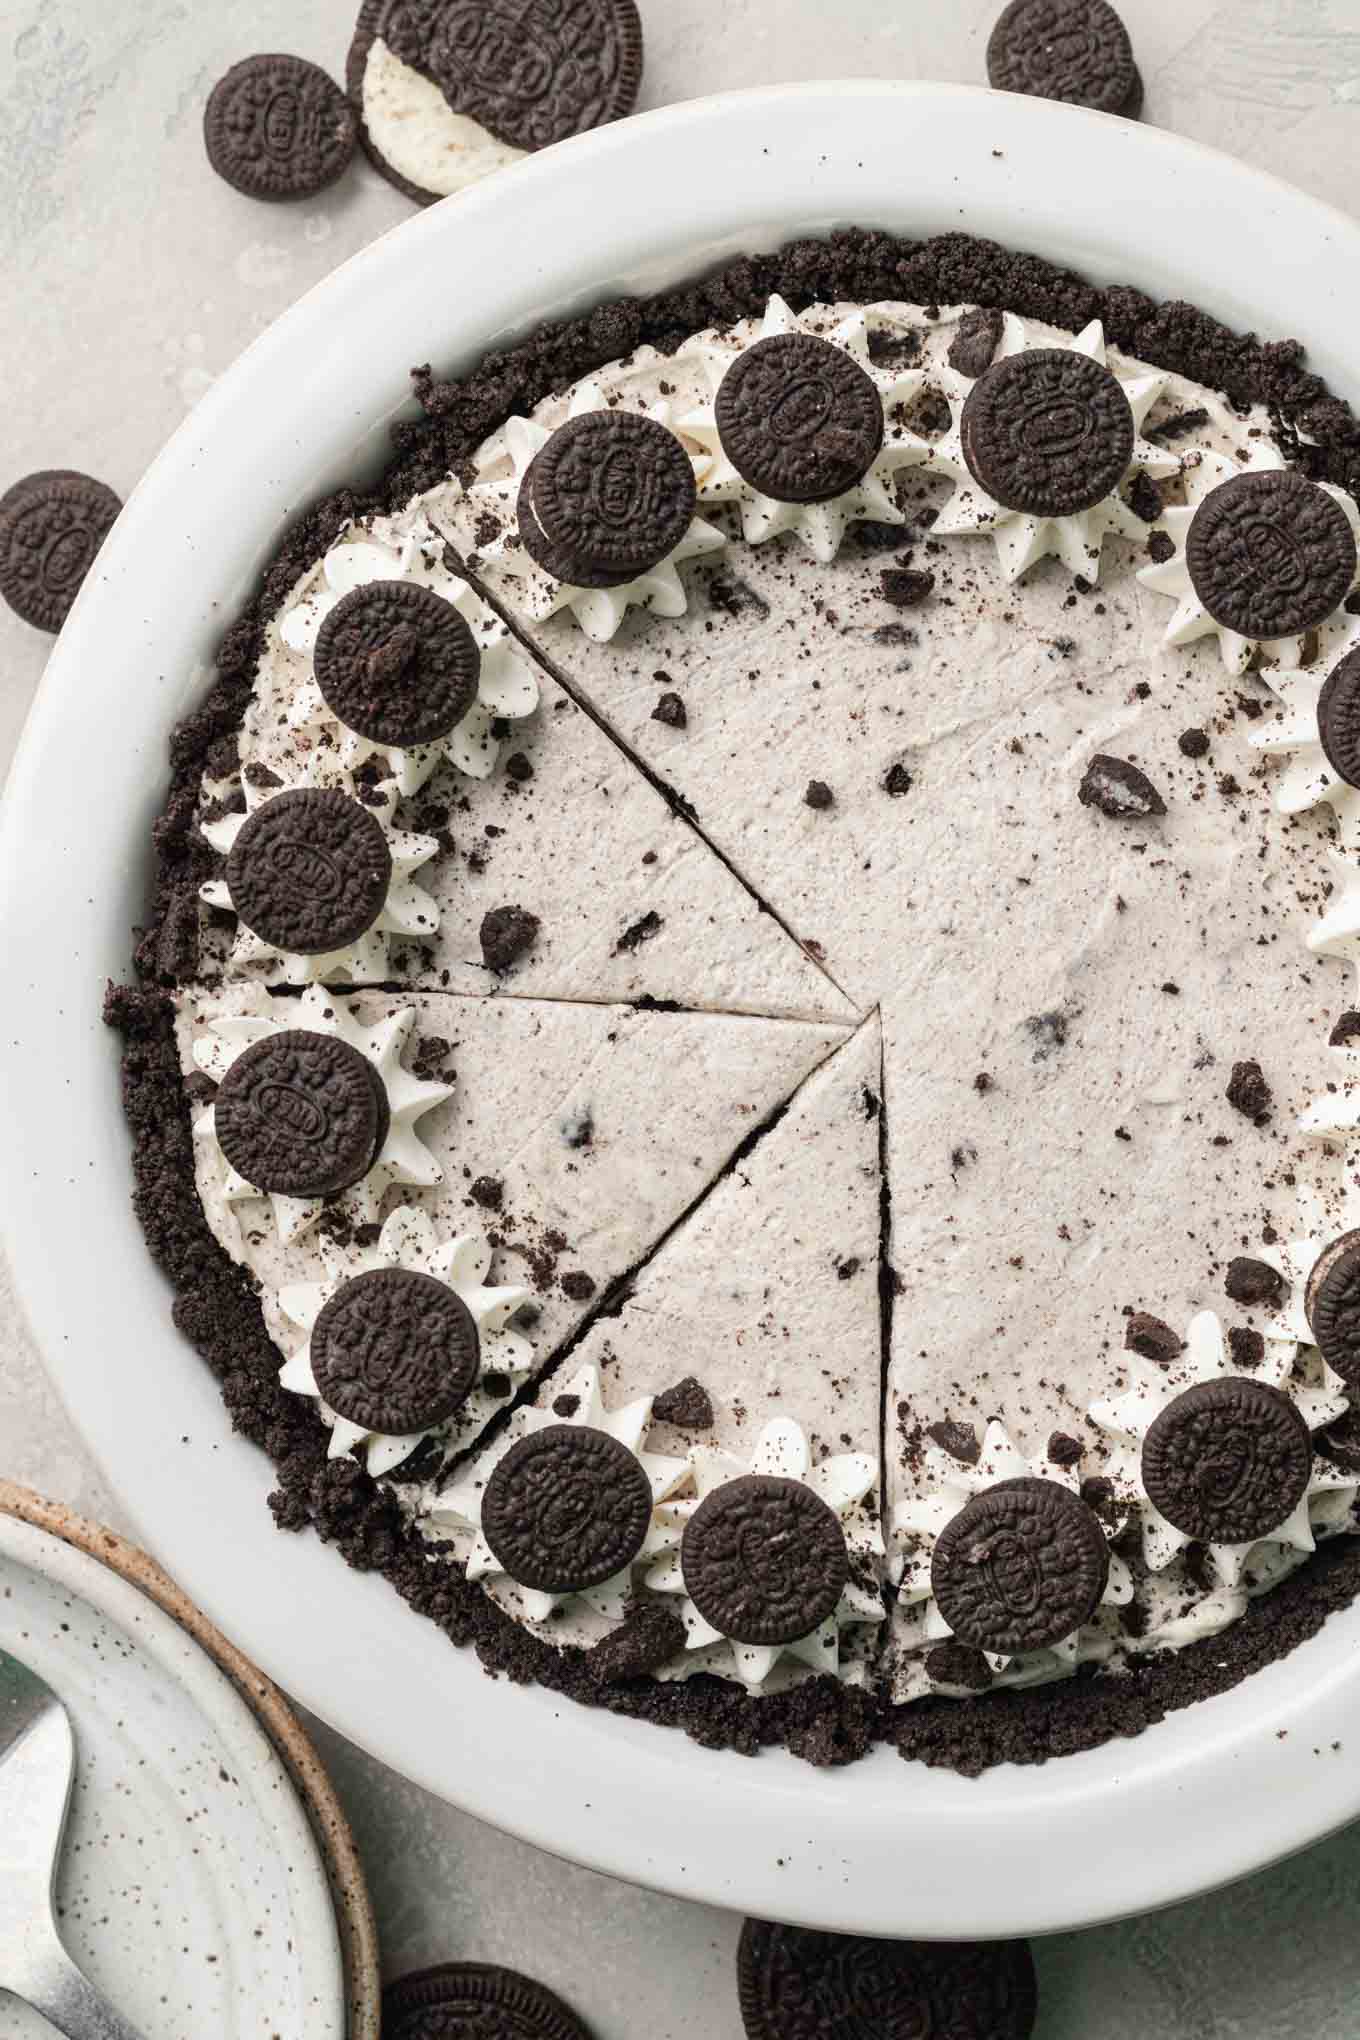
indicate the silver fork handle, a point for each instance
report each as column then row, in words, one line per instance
column 49, row 1981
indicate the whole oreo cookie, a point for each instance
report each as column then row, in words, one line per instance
column 1020, row 1567
column 1228, row 1460
column 794, row 1984
column 301, row 1114
column 1076, row 50
column 1338, row 714
column 1270, row 555
column 799, row 419
column 1048, row 432
column 277, row 127
column 397, row 664
column 475, row 2001
column 51, row 526
column 530, row 72
column 566, row 1508
column 309, row 871
column 395, row 1350
column 1332, row 1306
column 764, row 1559
column 610, row 495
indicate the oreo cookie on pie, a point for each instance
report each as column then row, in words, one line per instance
column 1048, row 432
column 1270, row 555
column 609, row 496
column 566, row 1509
column 397, row 664
column 309, row 871
column 301, row 1114
column 1020, row 1567
column 395, row 1350
column 448, row 91
column 799, row 419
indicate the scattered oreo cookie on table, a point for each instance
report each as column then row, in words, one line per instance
column 1270, row 555
column 397, row 664
column 1048, row 432
column 799, row 419
column 301, row 1114
column 395, row 1350
column 51, row 526
column 1020, row 1567
column 567, row 1508
column 476, row 2001
column 527, row 72
column 794, row 1984
column 1332, row 1306
column 764, row 1559
column 1228, row 1461
column 609, row 496
column 276, row 127
column 310, row 870
column 1074, row 50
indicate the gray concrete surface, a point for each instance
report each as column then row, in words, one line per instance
column 131, row 279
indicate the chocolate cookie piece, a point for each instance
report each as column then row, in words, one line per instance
column 1228, row 1461
column 531, row 72
column 1020, row 1567
column 794, row 1984
column 395, row 1350
column 397, row 664
column 799, row 419
column 764, row 1559
column 277, row 127
column 1270, row 555
column 609, row 496
column 1249, row 1093
column 1152, row 1338
column 310, row 870
column 688, row 1404
column 566, row 1508
column 1120, row 789
column 1331, row 1304
column 1250, row 1281
column 976, row 340
column 1075, row 50
column 1338, row 716
column 475, row 2001
column 1047, row 432
column 51, row 526
column 301, row 1114
column 506, row 934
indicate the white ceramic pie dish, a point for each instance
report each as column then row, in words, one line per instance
column 882, row 1847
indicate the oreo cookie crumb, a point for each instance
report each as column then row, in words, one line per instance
column 652, row 1634
column 579, row 1286
column 518, row 768
column 1248, row 1348
column 960, row 1441
column 1249, row 1093
column 1145, row 498
column 1161, row 547
column 488, row 1191
column 818, row 794
column 1063, row 1449
column 959, row 1664
column 1152, row 1338
column 907, row 587
column 1346, row 1030
column 976, row 340
column 1193, row 743
column 1249, row 1281
column 639, row 932
column 897, row 781
column 670, row 709
column 507, row 934
column 565, row 1406
column 1120, row 789
column 687, row 1405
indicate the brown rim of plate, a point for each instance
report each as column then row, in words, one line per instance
column 355, row 1924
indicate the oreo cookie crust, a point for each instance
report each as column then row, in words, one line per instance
column 567, row 1508
column 395, row 1350
column 276, row 127
column 609, row 496
column 397, row 664
column 1020, row 1567
column 301, row 1114
column 217, row 1310
column 799, row 419
column 51, row 526
column 1074, row 50
column 529, row 72
column 764, row 1559
column 1048, row 432
column 1228, row 1461
column 1269, row 555
column 309, row 871
column 793, row 1984
column 476, row 2001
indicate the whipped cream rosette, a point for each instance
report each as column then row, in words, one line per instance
column 565, row 1507
column 776, row 1558
column 1002, row 1555
column 318, row 880
column 323, row 1111
column 1041, row 447
column 408, row 684
column 1208, row 1451
column 1314, row 733
column 406, row 1342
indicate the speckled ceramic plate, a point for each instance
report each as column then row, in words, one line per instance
column 192, row 1889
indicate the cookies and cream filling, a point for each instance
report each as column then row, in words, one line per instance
column 1064, row 984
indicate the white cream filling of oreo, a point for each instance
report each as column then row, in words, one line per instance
column 417, row 132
